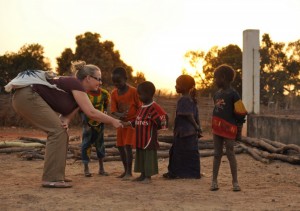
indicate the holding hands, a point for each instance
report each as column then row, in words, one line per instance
column 126, row 124
column 121, row 115
column 117, row 123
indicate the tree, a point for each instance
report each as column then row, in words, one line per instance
column 30, row 56
column 5, row 74
column 293, row 67
column 139, row 78
column 230, row 55
column 64, row 62
column 196, row 59
column 280, row 66
column 91, row 50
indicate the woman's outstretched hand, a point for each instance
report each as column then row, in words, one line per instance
column 64, row 122
column 117, row 123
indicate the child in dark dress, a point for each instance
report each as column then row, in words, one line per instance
column 228, row 117
column 184, row 160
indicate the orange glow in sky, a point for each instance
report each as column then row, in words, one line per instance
column 152, row 36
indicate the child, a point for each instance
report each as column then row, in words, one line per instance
column 184, row 160
column 93, row 132
column 228, row 117
column 151, row 118
column 124, row 105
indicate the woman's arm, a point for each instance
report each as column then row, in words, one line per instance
column 87, row 108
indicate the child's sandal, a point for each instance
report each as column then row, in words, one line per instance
column 214, row 186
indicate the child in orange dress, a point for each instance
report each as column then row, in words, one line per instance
column 124, row 105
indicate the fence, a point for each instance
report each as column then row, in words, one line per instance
column 8, row 116
column 205, row 107
column 288, row 106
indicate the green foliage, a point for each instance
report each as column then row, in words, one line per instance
column 64, row 62
column 231, row 55
column 93, row 51
column 280, row 68
column 29, row 57
column 195, row 59
column 139, row 78
column 279, row 62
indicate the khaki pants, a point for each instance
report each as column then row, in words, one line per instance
column 32, row 107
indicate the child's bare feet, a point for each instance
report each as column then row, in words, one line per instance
column 103, row 173
column 87, row 171
column 203, row 174
column 214, row 186
column 127, row 177
column 139, row 179
column 236, row 187
column 87, row 174
column 122, row 175
column 146, row 180
column 169, row 176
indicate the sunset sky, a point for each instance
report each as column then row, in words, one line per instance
column 152, row 36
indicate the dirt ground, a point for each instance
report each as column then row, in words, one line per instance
column 274, row 186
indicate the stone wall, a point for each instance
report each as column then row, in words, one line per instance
column 283, row 128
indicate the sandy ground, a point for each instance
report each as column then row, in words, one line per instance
column 274, row 186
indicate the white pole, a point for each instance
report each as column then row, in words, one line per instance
column 251, row 71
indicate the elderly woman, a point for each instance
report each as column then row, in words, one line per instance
column 39, row 97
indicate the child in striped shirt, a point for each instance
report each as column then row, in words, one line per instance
column 151, row 118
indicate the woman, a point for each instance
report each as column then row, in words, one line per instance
column 40, row 101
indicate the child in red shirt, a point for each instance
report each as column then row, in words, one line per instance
column 151, row 118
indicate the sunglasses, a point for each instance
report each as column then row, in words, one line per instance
column 98, row 79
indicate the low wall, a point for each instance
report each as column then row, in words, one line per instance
column 283, row 128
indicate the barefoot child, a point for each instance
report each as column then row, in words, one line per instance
column 151, row 118
column 184, row 160
column 228, row 117
column 124, row 105
column 93, row 132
